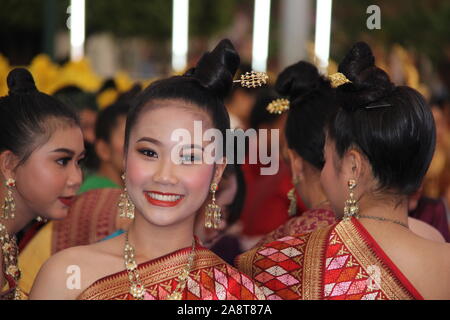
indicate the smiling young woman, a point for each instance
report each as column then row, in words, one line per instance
column 41, row 145
column 158, row 257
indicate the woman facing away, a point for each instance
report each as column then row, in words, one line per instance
column 311, row 103
column 41, row 145
column 378, row 148
column 166, row 183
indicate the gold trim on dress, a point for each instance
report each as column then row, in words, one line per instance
column 313, row 263
column 245, row 262
column 391, row 287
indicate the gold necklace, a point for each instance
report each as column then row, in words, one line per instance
column 137, row 289
column 10, row 252
column 385, row 220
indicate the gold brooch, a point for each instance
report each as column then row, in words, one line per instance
column 338, row 79
column 253, row 79
column 278, row 106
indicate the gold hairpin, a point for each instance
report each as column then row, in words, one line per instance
column 338, row 79
column 278, row 106
column 253, row 79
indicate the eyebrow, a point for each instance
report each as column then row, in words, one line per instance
column 64, row 150
column 69, row 152
column 151, row 140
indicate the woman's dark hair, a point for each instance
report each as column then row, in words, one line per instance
column 108, row 118
column 236, row 206
column 28, row 116
column 391, row 125
column 312, row 102
column 205, row 86
column 76, row 98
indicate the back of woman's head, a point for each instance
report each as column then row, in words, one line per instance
column 259, row 115
column 311, row 100
column 204, row 86
column 391, row 125
column 29, row 117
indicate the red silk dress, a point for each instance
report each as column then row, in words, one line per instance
column 307, row 222
column 339, row 262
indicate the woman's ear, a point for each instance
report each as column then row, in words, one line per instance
column 8, row 163
column 103, row 150
column 296, row 163
column 353, row 165
column 219, row 168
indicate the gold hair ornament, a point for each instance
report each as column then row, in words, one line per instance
column 278, row 106
column 338, row 79
column 253, row 79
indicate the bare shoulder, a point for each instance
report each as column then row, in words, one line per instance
column 425, row 230
column 69, row 272
column 435, row 259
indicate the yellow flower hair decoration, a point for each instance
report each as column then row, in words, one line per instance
column 338, row 79
column 278, row 106
column 107, row 98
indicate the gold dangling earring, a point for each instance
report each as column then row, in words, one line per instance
column 213, row 212
column 292, row 211
column 9, row 206
column 351, row 208
column 126, row 206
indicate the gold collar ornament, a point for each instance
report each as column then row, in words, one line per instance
column 253, row 79
column 10, row 252
column 278, row 106
column 338, row 79
column 137, row 288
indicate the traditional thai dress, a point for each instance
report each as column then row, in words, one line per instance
column 339, row 262
column 308, row 221
column 210, row 279
column 92, row 217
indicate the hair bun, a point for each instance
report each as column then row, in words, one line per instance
column 299, row 80
column 20, row 81
column 368, row 82
column 216, row 69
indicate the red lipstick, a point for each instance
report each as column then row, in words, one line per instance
column 160, row 199
column 67, row 201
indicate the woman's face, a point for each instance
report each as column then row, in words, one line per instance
column 333, row 182
column 167, row 193
column 47, row 182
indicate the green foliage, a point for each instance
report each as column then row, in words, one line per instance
column 26, row 15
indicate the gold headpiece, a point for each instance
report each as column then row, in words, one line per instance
column 253, row 79
column 338, row 79
column 278, row 106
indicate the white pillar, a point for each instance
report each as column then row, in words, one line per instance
column 180, row 32
column 77, row 29
column 261, row 29
column 295, row 19
column 323, row 31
